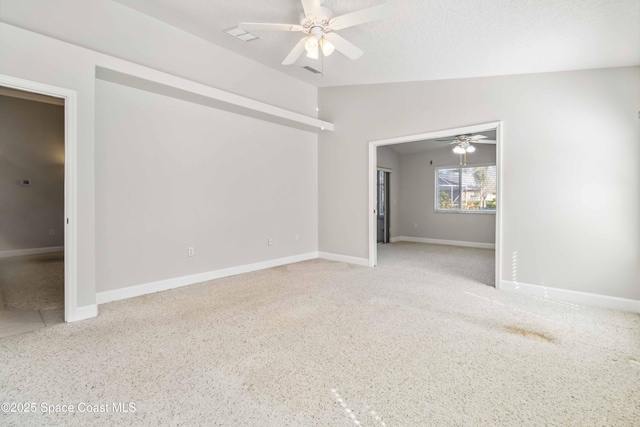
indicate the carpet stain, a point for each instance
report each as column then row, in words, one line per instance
column 529, row 333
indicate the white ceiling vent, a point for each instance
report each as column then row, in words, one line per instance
column 241, row 34
column 313, row 70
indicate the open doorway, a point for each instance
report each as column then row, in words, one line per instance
column 383, row 184
column 37, row 176
column 449, row 199
column 32, row 228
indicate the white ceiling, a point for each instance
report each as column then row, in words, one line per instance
column 427, row 39
column 432, row 144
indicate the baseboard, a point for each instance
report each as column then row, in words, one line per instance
column 34, row 251
column 178, row 282
column 85, row 312
column 577, row 297
column 344, row 258
column 445, row 242
column 395, row 239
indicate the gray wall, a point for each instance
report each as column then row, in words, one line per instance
column 31, row 147
column 389, row 159
column 571, row 170
column 171, row 174
column 418, row 217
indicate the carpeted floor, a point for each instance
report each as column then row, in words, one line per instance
column 328, row 344
column 33, row 282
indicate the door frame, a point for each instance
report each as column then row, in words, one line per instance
column 373, row 159
column 70, row 183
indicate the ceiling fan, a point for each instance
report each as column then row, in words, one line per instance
column 319, row 25
column 463, row 144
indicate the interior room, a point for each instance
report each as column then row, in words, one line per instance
column 437, row 202
column 261, row 219
column 32, row 226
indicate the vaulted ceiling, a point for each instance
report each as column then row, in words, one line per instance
column 427, row 39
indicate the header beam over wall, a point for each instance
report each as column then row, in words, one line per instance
column 144, row 78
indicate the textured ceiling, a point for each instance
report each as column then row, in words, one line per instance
column 432, row 144
column 427, row 39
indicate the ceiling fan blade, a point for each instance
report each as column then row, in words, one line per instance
column 343, row 46
column 311, row 7
column 361, row 16
column 477, row 137
column 295, row 53
column 249, row 26
column 485, row 141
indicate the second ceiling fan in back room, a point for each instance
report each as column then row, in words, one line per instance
column 319, row 25
column 463, row 144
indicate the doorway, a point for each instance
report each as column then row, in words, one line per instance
column 65, row 162
column 383, row 205
column 494, row 127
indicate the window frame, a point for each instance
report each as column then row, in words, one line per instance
column 460, row 211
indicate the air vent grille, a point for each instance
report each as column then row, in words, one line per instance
column 241, row 34
column 311, row 69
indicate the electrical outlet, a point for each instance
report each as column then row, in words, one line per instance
column 51, row 232
column 192, row 251
column 270, row 241
column 297, row 237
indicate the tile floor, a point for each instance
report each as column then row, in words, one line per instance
column 15, row 322
column 18, row 322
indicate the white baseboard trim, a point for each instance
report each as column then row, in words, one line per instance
column 344, row 258
column 395, row 239
column 178, row 282
column 444, row 242
column 85, row 312
column 34, row 251
column 576, row 297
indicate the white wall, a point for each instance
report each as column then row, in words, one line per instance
column 31, row 147
column 171, row 174
column 389, row 159
column 418, row 217
column 571, row 168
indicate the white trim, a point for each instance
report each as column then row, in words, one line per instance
column 380, row 168
column 437, row 134
column 344, row 258
column 446, row 242
column 373, row 161
column 126, row 68
column 396, row 239
column 70, row 185
column 30, row 96
column 371, row 214
column 577, row 297
column 178, row 282
column 85, row 312
column 34, row 251
column 499, row 206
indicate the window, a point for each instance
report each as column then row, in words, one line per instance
column 466, row 189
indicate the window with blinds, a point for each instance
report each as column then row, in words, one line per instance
column 466, row 189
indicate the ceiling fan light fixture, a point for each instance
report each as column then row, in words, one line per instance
column 311, row 47
column 471, row 149
column 327, row 47
column 458, row 150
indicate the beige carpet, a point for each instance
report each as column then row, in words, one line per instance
column 326, row 344
column 33, row 282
